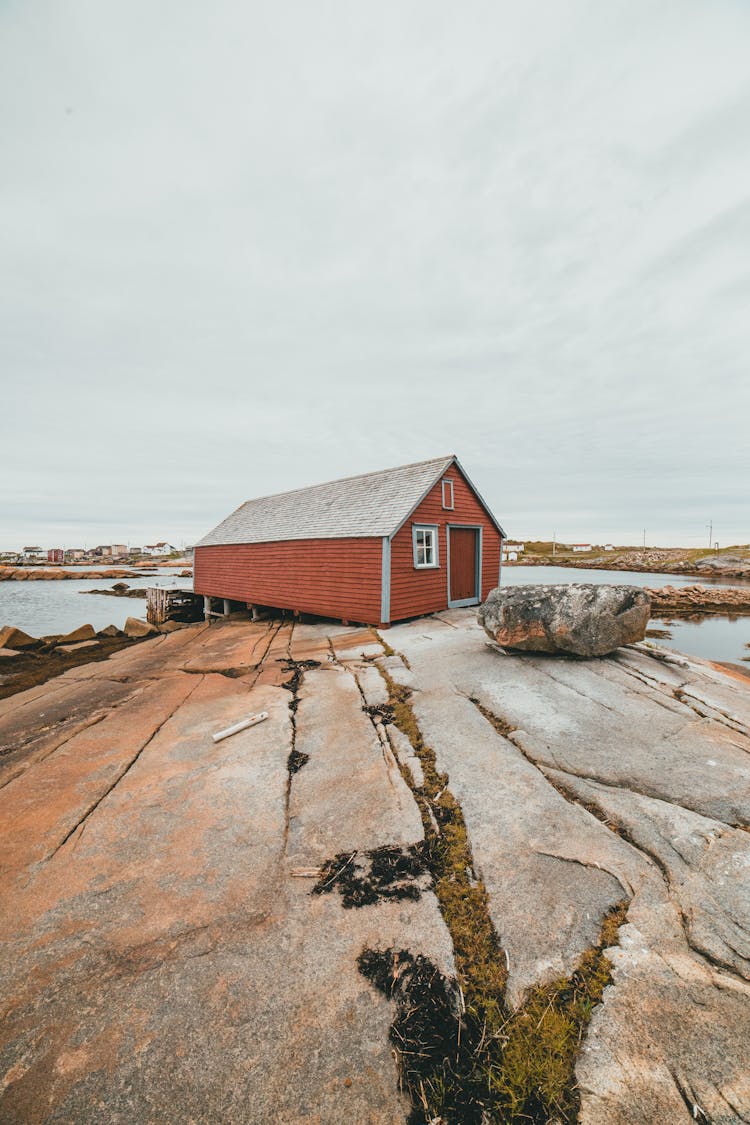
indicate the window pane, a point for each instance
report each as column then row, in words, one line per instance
column 425, row 546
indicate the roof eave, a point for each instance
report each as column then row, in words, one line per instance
column 479, row 497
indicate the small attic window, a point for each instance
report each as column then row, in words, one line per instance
column 424, row 543
column 448, row 495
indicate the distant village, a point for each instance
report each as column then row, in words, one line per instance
column 121, row 552
column 106, row 552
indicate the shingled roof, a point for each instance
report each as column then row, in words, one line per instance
column 375, row 504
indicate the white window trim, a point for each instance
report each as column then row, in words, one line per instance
column 448, row 507
column 433, row 529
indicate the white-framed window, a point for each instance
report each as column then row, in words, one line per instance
column 448, row 495
column 425, row 544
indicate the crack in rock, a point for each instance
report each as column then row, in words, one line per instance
column 83, row 820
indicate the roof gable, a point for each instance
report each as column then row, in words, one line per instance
column 373, row 504
column 454, row 461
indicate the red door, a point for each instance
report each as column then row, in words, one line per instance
column 463, row 564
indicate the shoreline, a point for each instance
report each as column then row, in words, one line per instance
column 57, row 574
column 45, row 658
column 33, row 667
column 636, row 565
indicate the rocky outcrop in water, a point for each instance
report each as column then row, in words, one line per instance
column 699, row 601
column 119, row 590
column 55, row 574
column 668, row 561
column 582, row 619
column 724, row 566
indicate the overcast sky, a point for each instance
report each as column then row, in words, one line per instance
column 247, row 247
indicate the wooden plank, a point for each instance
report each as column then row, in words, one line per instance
column 332, row 578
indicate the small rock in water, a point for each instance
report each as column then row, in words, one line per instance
column 583, row 619
column 83, row 633
column 110, row 631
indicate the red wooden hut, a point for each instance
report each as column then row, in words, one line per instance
column 375, row 548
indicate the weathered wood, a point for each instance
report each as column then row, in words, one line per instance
column 166, row 604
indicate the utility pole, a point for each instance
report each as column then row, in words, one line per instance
column 710, row 533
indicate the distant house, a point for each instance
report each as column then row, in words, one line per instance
column 511, row 551
column 32, row 553
column 74, row 554
column 117, row 550
column 577, row 547
column 609, row 546
column 375, row 548
column 159, row 549
column 56, row 555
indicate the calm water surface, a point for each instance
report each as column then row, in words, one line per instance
column 59, row 607
column 715, row 638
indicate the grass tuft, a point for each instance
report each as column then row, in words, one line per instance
column 478, row 1061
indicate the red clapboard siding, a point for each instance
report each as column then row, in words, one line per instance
column 414, row 592
column 328, row 577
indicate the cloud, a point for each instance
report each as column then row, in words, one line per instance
column 250, row 248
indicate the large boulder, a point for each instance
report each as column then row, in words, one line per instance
column 11, row 637
column 135, row 628
column 583, row 619
column 719, row 561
